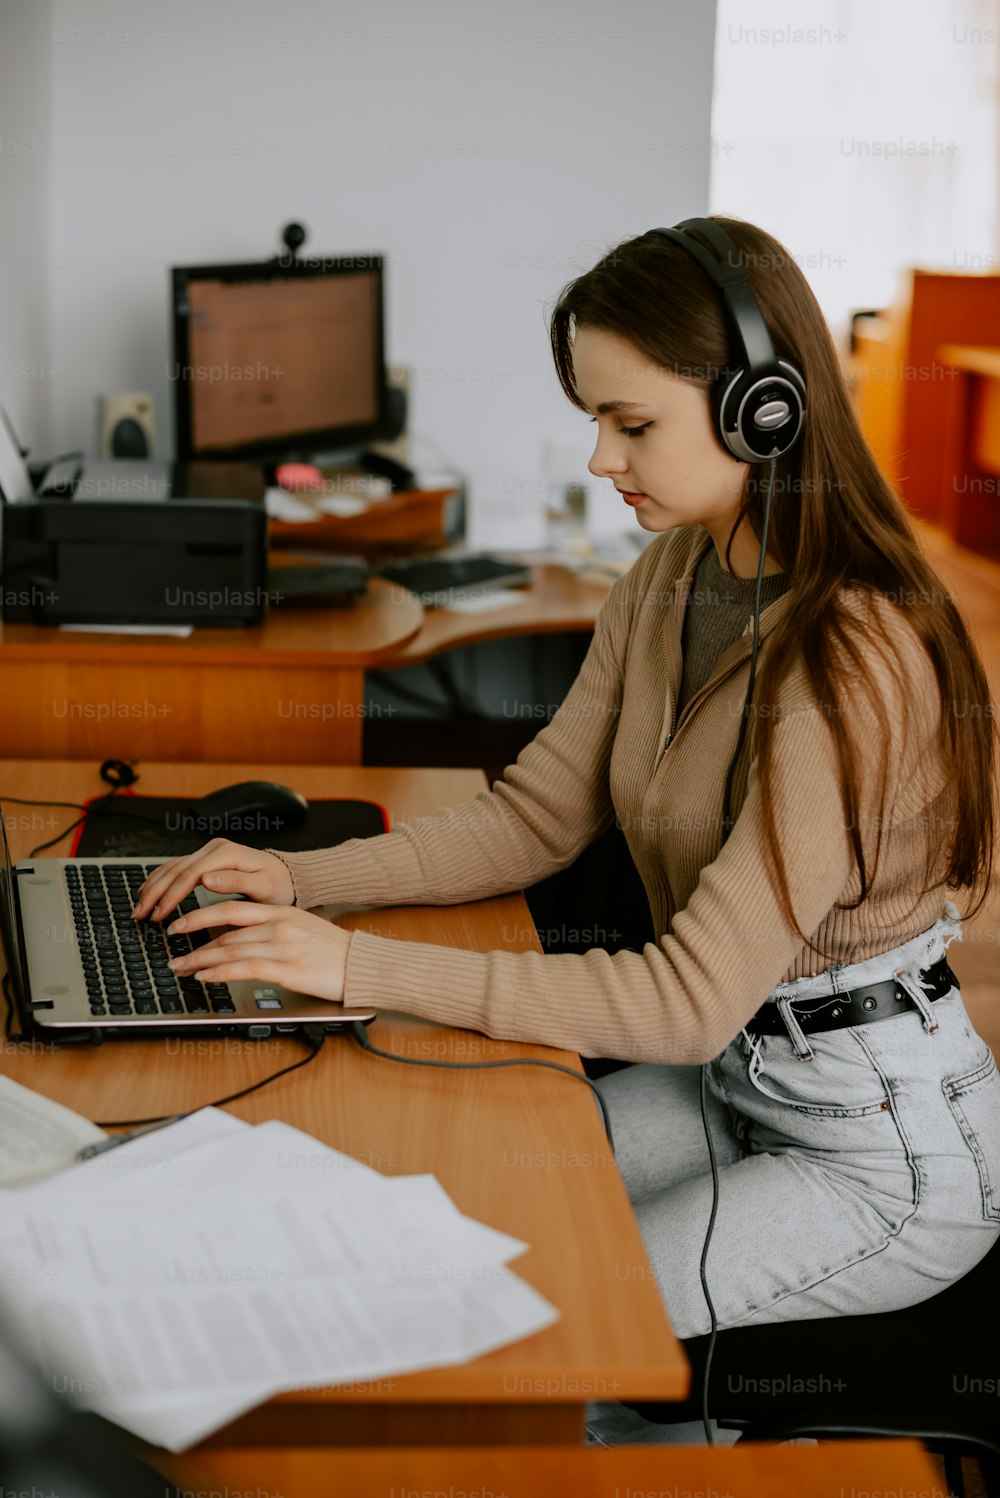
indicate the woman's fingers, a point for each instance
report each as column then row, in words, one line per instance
column 269, row 943
column 173, row 871
column 260, row 931
column 253, row 968
column 226, row 913
column 167, row 886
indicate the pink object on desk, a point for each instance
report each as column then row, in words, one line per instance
column 299, row 476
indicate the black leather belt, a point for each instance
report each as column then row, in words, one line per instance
column 859, row 1006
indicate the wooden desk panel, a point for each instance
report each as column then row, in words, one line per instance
column 291, row 688
column 835, row 1469
column 522, row 1149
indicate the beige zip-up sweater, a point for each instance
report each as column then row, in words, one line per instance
column 614, row 747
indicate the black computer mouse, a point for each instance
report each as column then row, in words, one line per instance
column 250, row 806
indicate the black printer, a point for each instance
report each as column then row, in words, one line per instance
column 134, row 542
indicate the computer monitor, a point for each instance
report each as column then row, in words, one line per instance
column 277, row 360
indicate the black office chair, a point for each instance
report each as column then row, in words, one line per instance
column 931, row 1372
column 599, row 900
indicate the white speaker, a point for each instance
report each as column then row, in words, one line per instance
column 126, row 426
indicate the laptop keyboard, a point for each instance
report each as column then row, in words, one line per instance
column 125, row 961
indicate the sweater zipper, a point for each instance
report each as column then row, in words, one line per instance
column 680, row 606
column 735, row 664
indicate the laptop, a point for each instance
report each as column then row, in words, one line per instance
column 81, row 967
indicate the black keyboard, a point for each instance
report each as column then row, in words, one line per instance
column 347, row 578
column 437, row 580
column 125, row 961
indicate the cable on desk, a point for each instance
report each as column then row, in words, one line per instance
column 114, row 772
column 8, row 1018
column 314, row 1036
column 361, row 1036
column 92, row 810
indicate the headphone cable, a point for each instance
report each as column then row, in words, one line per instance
column 726, row 829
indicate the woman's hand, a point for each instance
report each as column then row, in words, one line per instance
column 223, row 868
column 268, row 944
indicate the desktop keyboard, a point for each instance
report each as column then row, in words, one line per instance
column 125, row 961
column 437, row 581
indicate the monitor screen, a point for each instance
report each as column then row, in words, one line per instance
column 278, row 359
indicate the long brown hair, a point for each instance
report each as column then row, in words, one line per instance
column 834, row 523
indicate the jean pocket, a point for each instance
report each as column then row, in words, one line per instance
column 974, row 1099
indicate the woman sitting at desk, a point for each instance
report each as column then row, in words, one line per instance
column 795, row 846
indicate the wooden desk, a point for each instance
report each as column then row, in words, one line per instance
column 557, row 601
column 521, row 1149
column 290, row 689
column 835, row 1469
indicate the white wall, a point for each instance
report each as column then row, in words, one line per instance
column 491, row 152
column 890, row 173
column 27, row 385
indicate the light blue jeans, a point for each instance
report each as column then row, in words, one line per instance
column 864, row 1178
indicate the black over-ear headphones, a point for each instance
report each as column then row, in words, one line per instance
column 758, row 406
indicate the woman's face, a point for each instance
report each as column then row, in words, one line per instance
column 662, row 452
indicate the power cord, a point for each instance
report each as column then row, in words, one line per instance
column 314, row 1037
column 727, row 827
column 361, row 1036
column 115, row 773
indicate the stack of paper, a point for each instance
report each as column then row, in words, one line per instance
column 178, row 1280
column 38, row 1136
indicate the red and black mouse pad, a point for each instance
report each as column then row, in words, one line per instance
column 129, row 826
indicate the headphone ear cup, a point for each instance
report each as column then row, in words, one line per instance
column 759, row 416
column 722, row 390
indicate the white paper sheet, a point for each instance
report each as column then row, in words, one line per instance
column 482, row 603
column 158, row 1150
column 195, row 1285
column 344, row 505
column 154, row 1151
column 178, row 631
column 38, row 1136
